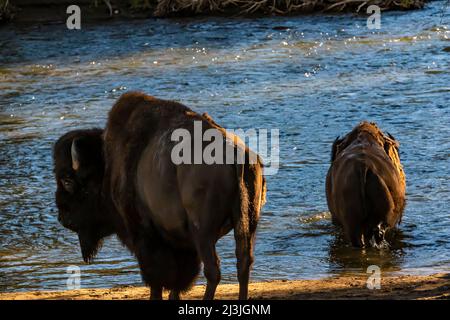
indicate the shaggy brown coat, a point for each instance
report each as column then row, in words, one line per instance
column 122, row 180
column 365, row 184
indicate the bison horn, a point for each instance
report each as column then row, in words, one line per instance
column 393, row 140
column 75, row 158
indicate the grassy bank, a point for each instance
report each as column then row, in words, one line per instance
column 435, row 286
column 51, row 10
column 277, row 7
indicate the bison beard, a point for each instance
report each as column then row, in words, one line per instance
column 90, row 244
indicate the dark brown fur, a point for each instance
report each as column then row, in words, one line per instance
column 168, row 258
column 365, row 184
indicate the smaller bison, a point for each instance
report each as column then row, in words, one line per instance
column 122, row 180
column 365, row 184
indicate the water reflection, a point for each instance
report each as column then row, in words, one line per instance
column 344, row 258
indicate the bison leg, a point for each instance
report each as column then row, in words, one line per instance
column 211, row 266
column 353, row 224
column 156, row 293
column 356, row 236
column 156, row 264
column 174, row 295
column 244, row 255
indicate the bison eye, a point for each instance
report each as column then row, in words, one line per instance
column 68, row 185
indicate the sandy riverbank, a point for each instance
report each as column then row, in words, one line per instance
column 435, row 286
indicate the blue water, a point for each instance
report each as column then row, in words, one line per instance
column 313, row 80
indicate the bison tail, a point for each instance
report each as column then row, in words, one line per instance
column 241, row 208
column 252, row 197
column 263, row 192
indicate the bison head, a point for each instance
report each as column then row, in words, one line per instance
column 368, row 132
column 79, row 169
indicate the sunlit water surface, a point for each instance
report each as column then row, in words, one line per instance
column 311, row 77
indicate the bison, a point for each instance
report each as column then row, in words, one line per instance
column 365, row 184
column 122, row 180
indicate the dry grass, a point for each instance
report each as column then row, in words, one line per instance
column 279, row 7
column 170, row 8
column 5, row 10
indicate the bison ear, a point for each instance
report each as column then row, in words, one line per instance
column 335, row 148
column 75, row 155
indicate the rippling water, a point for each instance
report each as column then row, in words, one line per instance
column 312, row 77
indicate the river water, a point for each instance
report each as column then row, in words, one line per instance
column 312, row 77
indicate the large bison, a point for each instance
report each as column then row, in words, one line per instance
column 365, row 184
column 122, row 180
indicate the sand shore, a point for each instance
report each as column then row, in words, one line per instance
column 435, row 286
